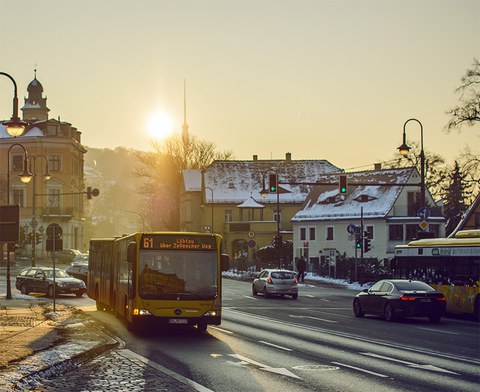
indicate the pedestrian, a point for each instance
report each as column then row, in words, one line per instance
column 301, row 268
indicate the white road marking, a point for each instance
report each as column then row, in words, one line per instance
column 220, row 329
column 275, row 345
column 410, row 364
column 250, row 297
column 163, row 369
column 267, row 368
column 360, row 369
column 314, row 318
column 309, row 296
column 436, row 330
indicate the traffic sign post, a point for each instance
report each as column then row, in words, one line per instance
column 54, row 242
column 10, row 234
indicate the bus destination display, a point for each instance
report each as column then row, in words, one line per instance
column 180, row 242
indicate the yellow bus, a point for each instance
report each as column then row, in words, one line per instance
column 170, row 277
column 450, row 265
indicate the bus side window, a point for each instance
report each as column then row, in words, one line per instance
column 132, row 252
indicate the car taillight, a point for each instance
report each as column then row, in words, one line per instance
column 407, row 298
column 440, row 299
column 295, row 281
column 269, row 281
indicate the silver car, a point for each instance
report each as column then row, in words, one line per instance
column 276, row 282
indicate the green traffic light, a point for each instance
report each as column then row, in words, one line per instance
column 343, row 190
column 273, row 189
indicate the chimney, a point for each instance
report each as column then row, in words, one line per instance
column 255, row 158
column 288, row 157
column 377, row 166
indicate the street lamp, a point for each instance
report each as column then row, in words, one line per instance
column 15, row 126
column 211, row 190
column 404, row 149
column 47, row 176
column 25, row 177
column 264, row 193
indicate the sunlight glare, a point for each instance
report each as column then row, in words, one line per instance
column 160, row 125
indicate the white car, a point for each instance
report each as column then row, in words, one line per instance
column 276, row 282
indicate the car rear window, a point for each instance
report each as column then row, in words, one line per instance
column 414, row 286
column 282, row 275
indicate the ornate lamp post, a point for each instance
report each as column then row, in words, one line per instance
column 211, row 190
column 273, row 186
column 404, row 149
column 15, row 126
column 46, row 176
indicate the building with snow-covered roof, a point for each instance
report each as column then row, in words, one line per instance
column 229, row 201
column 384, row 202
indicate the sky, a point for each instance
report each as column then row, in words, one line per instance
column 320, row 79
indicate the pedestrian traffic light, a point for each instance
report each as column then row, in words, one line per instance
column 366, row 242
column 277, row 242
column 272, row 182
column 342, row 183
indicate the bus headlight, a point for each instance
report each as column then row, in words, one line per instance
column 212, row 313
column 141, row 312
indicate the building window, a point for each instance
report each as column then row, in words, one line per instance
column 54, row 198
column 228, row 216
column 18, row 197
column 435, row 229
column 17, row 163
column 411, row 232
column 75, row 166
column 329, row 233
column 369, row 230
column 303, row 234
column 395, row 232
column 311, row 234
column 54, row 162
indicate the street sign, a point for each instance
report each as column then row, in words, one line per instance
column 252, row 243
column 423, row 225
column 54, row 231
column 10, row 223
column 423, row 213
column 251, row 234
column 351, row 228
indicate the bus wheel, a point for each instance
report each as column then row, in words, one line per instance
column 202, row 327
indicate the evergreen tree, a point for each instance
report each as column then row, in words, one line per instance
column 454, row 198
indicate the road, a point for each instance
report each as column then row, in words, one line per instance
column 313, row 343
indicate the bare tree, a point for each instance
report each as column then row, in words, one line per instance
column 468, row 110
column 163, row 171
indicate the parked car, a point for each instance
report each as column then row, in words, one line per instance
column 40, row 280
column 78, row 270
column 397, row 298
column 276, row 282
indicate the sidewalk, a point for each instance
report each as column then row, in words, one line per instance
column 35, row 342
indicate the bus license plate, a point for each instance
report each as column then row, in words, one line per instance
column 178, row 321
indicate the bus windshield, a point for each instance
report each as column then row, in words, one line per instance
column 168, row 274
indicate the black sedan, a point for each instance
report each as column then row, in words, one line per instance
column 41, row 280
column 79, row 271
column 397, row 298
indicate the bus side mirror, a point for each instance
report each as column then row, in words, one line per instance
column 225, row 262
column 132, row 252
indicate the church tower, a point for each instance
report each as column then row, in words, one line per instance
column 35, row 107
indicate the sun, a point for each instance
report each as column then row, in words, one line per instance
column 160, row 125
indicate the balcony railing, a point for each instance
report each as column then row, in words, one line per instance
column 57, row 211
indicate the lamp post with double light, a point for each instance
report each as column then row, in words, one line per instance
column 34, row 223
column 273, row 187
column 15, row 126
column 404, row 150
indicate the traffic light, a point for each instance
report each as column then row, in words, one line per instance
column 366, row 242
column 358, row 242
column 272, row 182
column 38, row 238
column 277, row 242
column 342, row 183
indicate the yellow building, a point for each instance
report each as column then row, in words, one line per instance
column 60, row 199
column 226, row 199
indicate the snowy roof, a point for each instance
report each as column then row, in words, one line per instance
column 250, row 203
column 325, row 202
column 35, row 131
column 237, row 181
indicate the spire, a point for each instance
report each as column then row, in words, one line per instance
column 185, row 125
